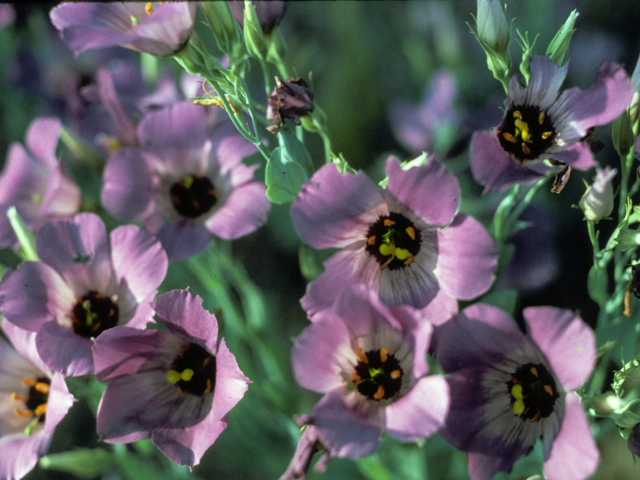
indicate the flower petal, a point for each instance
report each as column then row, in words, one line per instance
column 429, row 190
column 566, row 341
column 181, row 239
column 243, row 212
column 420, row 412
column 578, row 155
column 544, row 84
column 334, row 209
column 20, row 453
column 467, row 258
column 64, row 351
column 42, row 139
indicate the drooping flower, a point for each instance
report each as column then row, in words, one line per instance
column 405, row 241
column 370, row 362
column 292, row 99
column 179, row 384
column 85, row 283
column 159, row 29
column 597, row 201
column 308, row 446
column 187, row 182
column 35, row 181
column 510, row 389
column 541, row 123
column 34, row 400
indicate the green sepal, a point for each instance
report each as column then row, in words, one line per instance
column 558, row 49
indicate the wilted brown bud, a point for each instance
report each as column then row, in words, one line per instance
column 290, row 99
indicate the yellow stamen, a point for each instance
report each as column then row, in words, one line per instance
column 517, row 114
column 518, row 407
column 23, row 413
column 516, row 392
column 29, row 381
column 409, row 260
column 524, row 130
column 546, row 135
column 387, row 249
column 355, row 378
column 371, row 240
column 383, row 354
column 360, row 354
column 19, row 398
column 535, row 418
column 134, row 20
column 209, row 386
column 388, row 222
column 549, row 390
column 541, row 117
column 186, row 375
column 401, row 253
column 42, row 387
column 534, row 370
column 389, row 260
column 395, row 374
column 525, row 149
column 411, row 232
column 148, row 8
column 173, row 376
column 508, row 137
column 380, row 393
column 41, row 409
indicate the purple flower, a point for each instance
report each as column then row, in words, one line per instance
column 34, row 400
column 85, row 283
column 370, row 362
column 542, row 123
column 35, row 181
column 269, row 13
column 393, row 240
column 179, row 384
column 509, row 389
column 159, row 29
column 187, row 182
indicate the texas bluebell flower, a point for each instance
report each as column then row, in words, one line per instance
column 178, row 385
column 370, row 362
column 33, row 399
column 405, row 241
column 85, row 283
column 159, row 29
column 541, row 123
column 510, row 389
column 35, row 181
column 187, row 182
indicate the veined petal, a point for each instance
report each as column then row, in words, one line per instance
column 578, row 155
column 180, row 239
column 20, row 453
column 42, row 139
column 64, row 351
column 544, row 84
column 334, row 209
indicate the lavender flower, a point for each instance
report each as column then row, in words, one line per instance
column 159, row 29
column 541, row 123
column 370, row 362
column 179, row 384
column 509, row 389
column 85, row 283
column 34, row 400
column 393, row 240
column 35, row 181
column 187, row 182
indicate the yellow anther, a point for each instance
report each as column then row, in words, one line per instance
column 508, row 137
column 360, row 354
column 371, row 240
column 409, row 260
column 134, row 20
column 541, row 117
column 535, row 418
column 379, row 394
column 19, row 398
column 534, row 370
column 518, row 407
column 186, row 375
column 148, row 8
column 41, row 409
column 23, row 413
column 173, row 376
column 355, row 378
column 516, row 392
column 209, row 386
column 29, row 381
column 42, row 387
column 387, row 249
column 395, row 374
column 549, row 390
column 523, row 128
column 411, row 232
column 384, row 353
column 517, row 114
column 526, row 150
column 546, row 135
column 402, row 253
column 388, row 222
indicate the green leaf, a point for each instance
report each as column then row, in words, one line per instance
column 81, row 462
column 283, row 177
column 293, row 150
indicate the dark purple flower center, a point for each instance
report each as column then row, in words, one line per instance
column 94, row 313
column 193, row 196
column 193, row 370
column 533, row 392
column 394, row 241
column 378, row 375
column 526, row 132
column 34, row 403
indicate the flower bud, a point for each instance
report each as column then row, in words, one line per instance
column 628, row 238
column 269, row 13
column 290, row 99
column 224, row 25
column 558, row 49
column 597, row 201
column 622, row 134
column 257, row 45
column 633, row 442
column 492, row 25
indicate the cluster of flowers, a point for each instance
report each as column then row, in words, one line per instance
column 387, row 298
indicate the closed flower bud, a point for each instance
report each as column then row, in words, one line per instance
column 622, row 134
column 225, row 27
column 597, row 201
column 628, row 238
column 558, row 49
column 493, row 28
